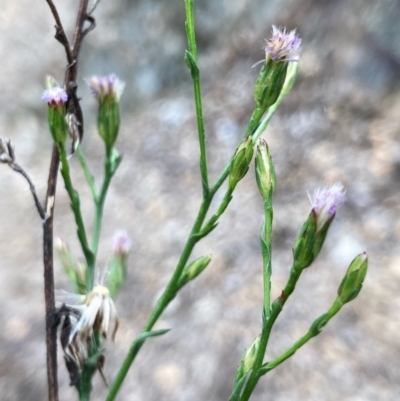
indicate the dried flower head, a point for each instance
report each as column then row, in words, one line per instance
column 122, row 242
column 6, row 151
column 326, row 202
column 283, row 45
column 96, row 310
column 55, row 96
column 106, row 86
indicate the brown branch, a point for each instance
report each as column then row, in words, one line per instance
column 70, row 85
column 16, row 167
column 60, row 33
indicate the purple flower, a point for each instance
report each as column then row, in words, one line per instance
column 122, row 242
column 282, row 46
column 106, row 86
column 55, row 96
column 326, row 202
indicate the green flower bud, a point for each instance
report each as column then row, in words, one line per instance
column 108, row 91
column 117, row 270
column 303, row 251
column 353, row 280
column 241, row 161
column 56, row 99
column 265, row 171
column 269, row 84
column 76, row 271
column 250, row 356
column 194, row 269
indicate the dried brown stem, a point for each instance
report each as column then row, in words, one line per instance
column 60, row 33
column 16, row 167
column 70, row 85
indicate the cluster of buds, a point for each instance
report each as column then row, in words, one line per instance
column 325, row 204
column 282, row 48
column 107, row 90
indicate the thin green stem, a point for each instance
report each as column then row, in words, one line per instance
column 191, row 37
column 276, row 309
column 99, row 206
column 86, row 171
column 167, row 296
column 314, row 330
column 266, row 249
column 75, row 206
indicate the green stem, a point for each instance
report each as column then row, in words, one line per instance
column 86, row 171
column 191, row 37
column 75, row 206
column 99, row 206
column 276, row 309
column 266, row 249
column 314, row 330
column 167, row 296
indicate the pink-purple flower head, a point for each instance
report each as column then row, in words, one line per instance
column 122, row 242
column 106, row 86
column 283, row 45
column 326, row 202
column 55, row 96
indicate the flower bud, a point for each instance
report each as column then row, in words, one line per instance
column 194, row 269
column 250, row 356
column 56, row 99
column 303, row 251
column 107, row 90
column 353, row 280
column 76, row 271
column 280, row 49
column 325, row 204
column 117, row 270
column 241, row 161
column 265, row 171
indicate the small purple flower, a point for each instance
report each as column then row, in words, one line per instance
column 122, row 242
column 283, row 46
column 103, row 86
column 55, row 96
column 326, row 202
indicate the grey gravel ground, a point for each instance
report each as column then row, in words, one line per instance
column 340, row 123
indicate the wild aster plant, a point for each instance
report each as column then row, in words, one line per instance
column 87, row 314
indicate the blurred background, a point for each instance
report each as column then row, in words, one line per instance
column 340, row 123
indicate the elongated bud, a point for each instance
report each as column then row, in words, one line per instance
column 241, row 161
column 325, row 204
column 282, row 48
column 194, row 269
column 303, row 251
column 76, row 271
column 117, row 270
column 265, row 171
column 107, row 90
column 56, row 99
column 353, row 280
column 250, row 356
